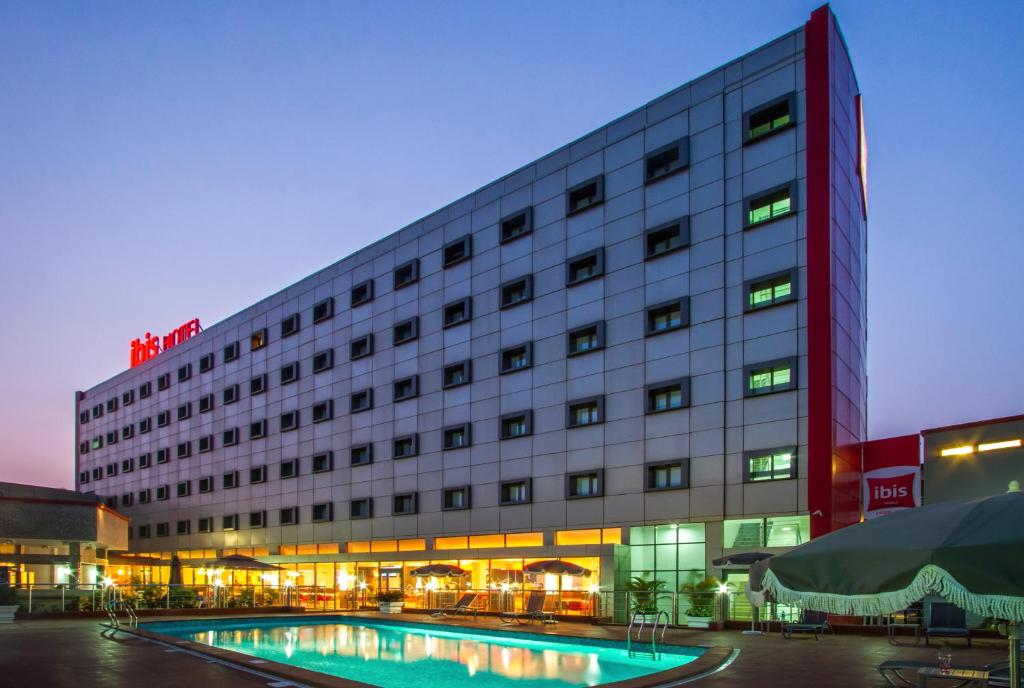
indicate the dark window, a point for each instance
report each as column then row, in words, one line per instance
column 323, row 310
column 230, row 480
column 289, row 373
column 83, row 448
column 323, row 411
column 361, row 346
column 583, row 267
column 514, row 358
column 83, row 477
column 206, row 403
column 769, row 464
column 185, row 372
column 405, row 447
column 769, row 205
column 111, row 469
column 668, row 316
column 362, row 293
column 128, row 398
column 456, row 498
column 83, row 417
column 667, row 238
column 517, row 291
column 145, row 496
column 289, row 421
column 205, row 485
column 584, row 484
column 257, row 519
column 514, row 492
column 455, row 252
column 163, row 529
column 667, row 160
column 290, row 325
column 184, row 527
column 456, row 436
column 406, row 388
column 145, row 425
column 205, row 525
column 112, row 437
column 229, row 522
column 258, row 339
column 258, row 384
column 257, row 429
column 584, row 195
column 206, row 444
column 163, row 493
column 184, row 450
column 457, row 374
column 145, row 389
column 257, row 475
column 163, row 382
column 323, row 360
column 230, row 394
column 361, row 401
column 584, row 412
column 145, row 460
column 185, row 411
column 144, row 531
column 231, row 352
column 323, row 462
column 669, row 475
column 406, row 331
column 127, row 465
column 163, row 455
column 770, row 376
column 322, row 512
column 361, row 508
column 403, row 504
column 97, row 410
column 407, row 273
column 519, row 424
column 127, row 432
column 668, row 396
column 127, row 499
column 770, row 290
column 289, row 468
column 361, row 454
column 585, row 339
column 517, row 224
column 206, row 363
column 458, row 312
column 769, row 118
column 97, row 473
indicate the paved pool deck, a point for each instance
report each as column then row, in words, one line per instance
column 72, row 653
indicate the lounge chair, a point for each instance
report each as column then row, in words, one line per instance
column 810, row 622
column 947, row 621
column 901, row 673
column 534, row 610
column 463, row 606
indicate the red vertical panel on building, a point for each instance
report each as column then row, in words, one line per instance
column 819, row 292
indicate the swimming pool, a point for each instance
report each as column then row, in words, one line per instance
column 400, row 654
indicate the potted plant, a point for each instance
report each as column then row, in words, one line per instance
column 8, row 603
column 703, row 596
column 390, row 601
column 644, row 598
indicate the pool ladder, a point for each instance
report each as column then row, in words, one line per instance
column 653, row 652
column 115, row 604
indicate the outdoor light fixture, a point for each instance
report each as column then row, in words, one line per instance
column 722, row 588
column 992, row 446
column 108, row 581
column 958, row 451
column 594, row 589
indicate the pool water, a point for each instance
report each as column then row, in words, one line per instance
column 398, row 655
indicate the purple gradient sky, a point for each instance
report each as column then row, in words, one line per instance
column 160, row 161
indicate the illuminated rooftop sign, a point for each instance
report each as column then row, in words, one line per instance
column 145, row 348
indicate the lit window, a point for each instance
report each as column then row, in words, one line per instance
column 770, row 464
column 258, row 339
column 769, row 118
column 773, row 376
column 771, row 290
column 770, row 205
column 580, row 485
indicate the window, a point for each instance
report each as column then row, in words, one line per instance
column 517, row 291
column 323, row 411
column 230, row 437
column 289, row 469
column 769, row 464
column 361, row 346
column 185, row 411
column 229, row 522
column 290, row 325
column 455, row 252
column 206, row 444
column 584, row 195
column 127, row 499
column 667, row 238
column 514, row 492
column 128, row 398
column 770, row 205
column 769, row 118
column 584, row 412
column 289, row 421
column 456, row 374
column 405, row 447
column 145, row 460
column 144, row 496
column 183, row 527
column 323, row 512
column 97, row 442
column 406, row 388
column 112, row 437
column 584, row 267
column 323, row 463
column 515, row 358
column 258, row 519
column 403, row 504
column 127, row 465
column 406, row 274
column 163, row 455
column 258, row 339
column 456, row 437
column 323, row 310
column 583, row 484
column 206, row 403
column 185, row 372
column 672, row 475
column 361, row 454
column 163, row 493
column 184, row 450
column 205, row 525
column 361, row 508
column 163, row 529
column 145, row 390
column 406, row 331
column 771, row 376
column 257, row 429
column 455, row 498
column 519, row 223
column 231, row 352
column 97, row 410
column 258, row 384
column 458, row 312
column 585, row 339
column 668, row 396
column 323, row 360
column 83, row 417
column 667, row 160
column 163, row 382
column 771, row 290
column 519, row 424
column 257, row 475
column 205, row 485
column 97, row 473
column 668, row 316
column 361, row 401
column 127, row 432
column 83, row 448
column 289, row 373
column 145, row 425
column 144, row 531
column 230, row 480
column 230, row 394
column 206, row 363
column 362, row 293
column 111, row 469
column 83, row 477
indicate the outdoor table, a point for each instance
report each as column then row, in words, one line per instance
column 962, row 675
column 892, row 626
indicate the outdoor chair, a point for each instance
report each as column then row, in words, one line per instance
column 810, row 622
column 901, row 673
column 534, row 610
column 947, row 621
column 464, row 606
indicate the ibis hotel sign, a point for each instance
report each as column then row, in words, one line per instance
column 150, row 346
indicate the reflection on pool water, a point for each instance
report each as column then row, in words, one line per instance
column 396, row 655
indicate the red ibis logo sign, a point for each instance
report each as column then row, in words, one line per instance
column 150, row 346
column 891, row 489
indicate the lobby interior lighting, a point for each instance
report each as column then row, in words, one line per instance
column 958, row 451
column 992, row 446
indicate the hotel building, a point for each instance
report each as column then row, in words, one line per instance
column 637, row 353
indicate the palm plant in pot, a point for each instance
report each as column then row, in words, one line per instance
column 644, row 597
column 390, row 601
column 700, row 612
